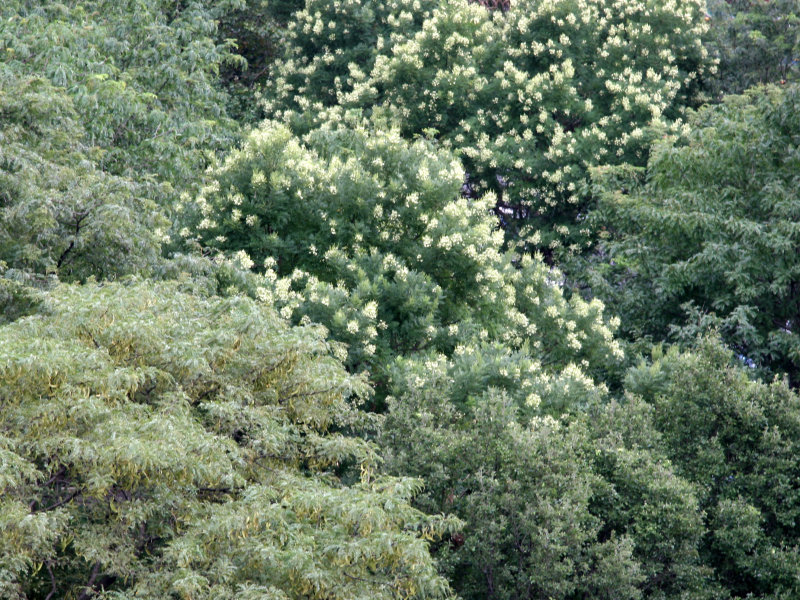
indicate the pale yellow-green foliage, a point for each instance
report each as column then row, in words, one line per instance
column 185, row 445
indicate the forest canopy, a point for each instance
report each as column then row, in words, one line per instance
column 348, row 299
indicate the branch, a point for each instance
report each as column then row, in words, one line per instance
column 305, row 394
column 52, row 581
column 268, row 369
column 62, row 502
column 372, row 581
column 219, row 490
column 88, row 592
column 61, row 471
column 78, row 221
column 64, row 254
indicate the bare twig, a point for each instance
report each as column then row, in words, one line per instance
column 79, row 218
column 61, row 471
column 61, row 502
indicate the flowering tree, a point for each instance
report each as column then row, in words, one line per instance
column 472, row 352
column 529, row 98
column 366, row 233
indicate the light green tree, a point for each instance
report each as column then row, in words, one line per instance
column 60, row 213
column 159, row 444
column 108, row 110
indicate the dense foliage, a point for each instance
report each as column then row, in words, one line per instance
column 366, row 233
column 559, row 508
column 347, row 232
column 710, row 238
column 108, row 110
column 333, row 353
column 737, row 440
column 528, row 97
column 757, row 42
column 167, row 445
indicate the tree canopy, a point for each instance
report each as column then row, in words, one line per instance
column 529, row 98
column 109, row 112
column 736, row 440
column 159, row 444
column 365, row 232
column 414, row 299
column 709, row 238
column 756, row 43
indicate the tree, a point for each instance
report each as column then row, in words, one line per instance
column 640, row 493
column 529, row 98
column 157, row 122
column 736, row 439
column 328, row 40
column 97, row 142
column 756, row 42
column 486, row 405
column 160, row 444
column 582, row 506
column 16, row 298
column 523, row 491
column 257, row 27
column 366, row 233
column 710, row 239
column 60, row 212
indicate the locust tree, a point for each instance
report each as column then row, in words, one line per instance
column 528, row 98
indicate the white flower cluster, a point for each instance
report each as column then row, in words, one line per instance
column 514, row 92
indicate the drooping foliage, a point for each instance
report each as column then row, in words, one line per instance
column 61, row 212
column 157, row 444
column 529, row 97
column 108, row 111
column 141, row 75
column 710, row 239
